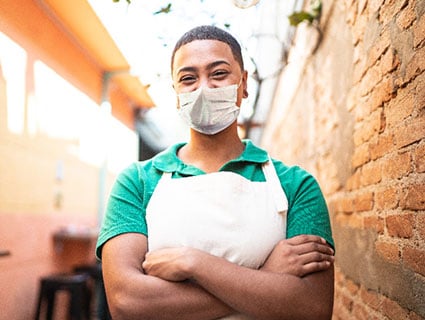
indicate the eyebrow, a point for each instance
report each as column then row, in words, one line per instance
column 209, row 67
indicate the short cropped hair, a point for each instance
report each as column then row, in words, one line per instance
column 208, row 32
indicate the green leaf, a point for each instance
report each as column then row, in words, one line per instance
column 165, row 9
column 297, row 17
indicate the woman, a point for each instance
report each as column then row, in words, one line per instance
column 214, row 228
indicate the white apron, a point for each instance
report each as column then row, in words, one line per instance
column 221, row 213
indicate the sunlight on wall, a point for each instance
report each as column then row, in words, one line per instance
column 60, row 111
column 13, row 61
column 99, row 136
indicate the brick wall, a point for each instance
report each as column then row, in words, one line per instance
column 356, row 120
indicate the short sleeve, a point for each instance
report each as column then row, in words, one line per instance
column 125, row 210
column 307, row 208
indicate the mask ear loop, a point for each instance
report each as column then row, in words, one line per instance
column 240, row 82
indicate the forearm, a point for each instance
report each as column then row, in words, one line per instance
column 132, row 294
column 266, row 295
column 147, row 297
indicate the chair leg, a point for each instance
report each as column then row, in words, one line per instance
column 39, row 303
column 50, row 304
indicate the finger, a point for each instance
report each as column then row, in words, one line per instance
column 315, row 267
column 318, row 247
column 305, row 248
column 316, row 258
column 305, row 238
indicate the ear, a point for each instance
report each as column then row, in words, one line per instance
column 245, row 84
column 177, row 103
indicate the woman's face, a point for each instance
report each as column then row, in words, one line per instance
column 208, row 63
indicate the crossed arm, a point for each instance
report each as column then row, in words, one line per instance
column 296, row 282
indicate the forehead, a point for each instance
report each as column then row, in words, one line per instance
column 202, row 52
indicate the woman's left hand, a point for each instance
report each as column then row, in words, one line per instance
column 172, row 264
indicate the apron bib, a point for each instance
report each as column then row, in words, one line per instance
column 221, row 213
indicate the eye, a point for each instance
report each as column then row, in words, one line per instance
column 186, row 79
column 220, row 74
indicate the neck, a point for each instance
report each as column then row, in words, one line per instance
column 210, row 153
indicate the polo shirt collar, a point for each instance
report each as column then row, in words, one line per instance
column 167, row 161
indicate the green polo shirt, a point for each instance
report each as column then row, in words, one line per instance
column 131, row 192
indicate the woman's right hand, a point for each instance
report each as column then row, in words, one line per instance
column 299, row 256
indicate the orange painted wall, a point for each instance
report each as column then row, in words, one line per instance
column 33, row 203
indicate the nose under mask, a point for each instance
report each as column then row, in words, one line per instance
column 209, row 110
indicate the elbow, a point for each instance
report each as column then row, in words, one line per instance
column 124, row 307
column 119, row 306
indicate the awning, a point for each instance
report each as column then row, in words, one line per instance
column 69, row 37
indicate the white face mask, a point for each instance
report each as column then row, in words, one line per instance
column 209, row 110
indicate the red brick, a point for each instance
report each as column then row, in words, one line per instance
column 420, row 92
column 359, row 28
column 413, row 197
column 400, row 226
column 345, row 205
column 347, row 302
column 361, row 5
column 359, row 68
column 381, row 93
column 389, row 9
column 420, row 226
column 353, row 182
column 370, row 80
column 358, row 54
column 374, row 5
column 362, row 108
column 406, row 17
column 352, row 287
column 374, row 223
column 419, row 31
column 339, row 277
column 361, row 155
column 409, row 132
column 386, row 199
column 371, row 173
column 400, row 107
column 416, row 65
column 398, row 165
column 388, row 251
column 379, row 46
column 369, row 128
column 414, row 258
column 351, row 15
column 389, row 61
column 370, row 298
column 392, row 310
column 419, row 158
column 363, row 202
column 360, row 312
column 415, row 316
column 382, row 146
column 358, row 135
